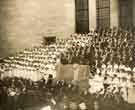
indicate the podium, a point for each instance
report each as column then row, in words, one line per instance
column 72, row 72
column 131, row 95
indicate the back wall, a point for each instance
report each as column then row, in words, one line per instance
column 24, row 22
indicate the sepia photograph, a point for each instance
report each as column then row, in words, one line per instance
column 67, row 55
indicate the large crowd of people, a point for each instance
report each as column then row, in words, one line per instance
column 105, row 47
column 31, row 63
column 19, row 93
column 110, row 54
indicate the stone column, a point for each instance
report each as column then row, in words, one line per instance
column 114, row 13
column 92, row 14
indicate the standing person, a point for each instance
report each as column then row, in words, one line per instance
column 123, row 89
column 22, row 93
column 2, row 95
column 50, row 81
column 11, row 98
column 92, row 56
column 132, row 57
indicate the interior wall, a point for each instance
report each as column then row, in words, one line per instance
column 24, row 22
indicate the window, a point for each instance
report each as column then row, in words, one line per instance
column 126, row 13
column 82, row 16
column 103, row 13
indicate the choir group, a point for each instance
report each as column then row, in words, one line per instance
column 110, row 54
